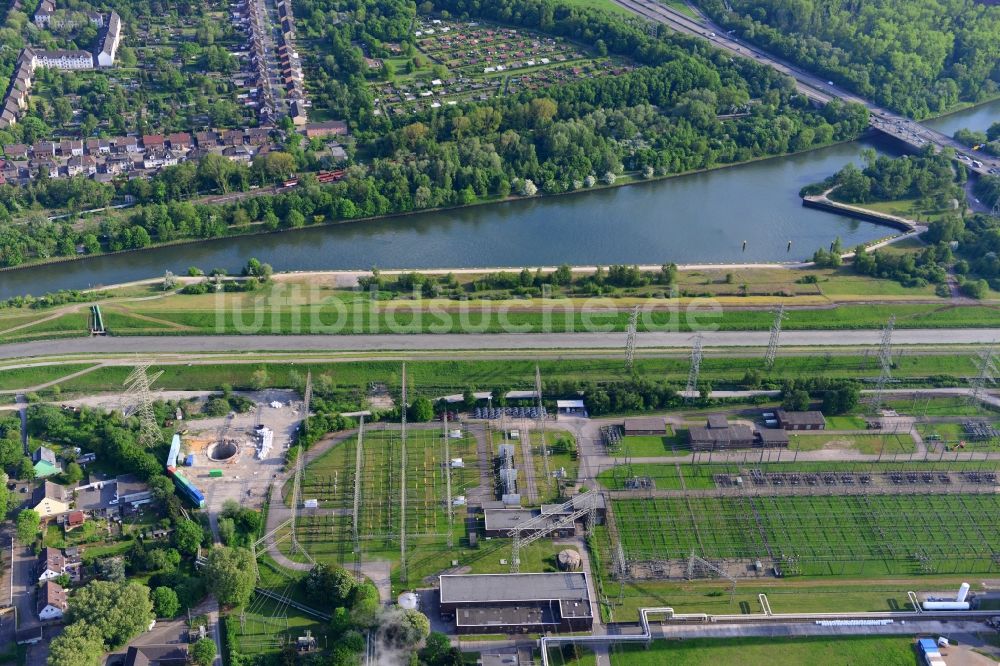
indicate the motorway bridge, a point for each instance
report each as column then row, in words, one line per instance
column 814, row 87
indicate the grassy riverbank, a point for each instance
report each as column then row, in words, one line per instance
column 712, row 300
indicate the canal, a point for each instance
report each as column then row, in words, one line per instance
column 700, row 218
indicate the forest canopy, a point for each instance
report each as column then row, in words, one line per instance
column 919, row 57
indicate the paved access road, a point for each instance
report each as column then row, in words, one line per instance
column 485, row 341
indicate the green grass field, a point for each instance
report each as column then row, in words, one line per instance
column 818, row 535
column 435, row 378
column 887, row 443
column 853, row 650
column 19, row 378
column 290, row 307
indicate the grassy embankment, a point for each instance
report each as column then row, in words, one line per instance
column 436, row 378
column 818, row 298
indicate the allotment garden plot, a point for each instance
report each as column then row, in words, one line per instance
column 461, row 62
column 869, row 535
column 327, row 532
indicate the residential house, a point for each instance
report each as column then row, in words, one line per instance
column 50, row 499
column 45, row 462
column 16, row 151
column 152, row 142
column 326, row 129
column 74, row 519
column 157, row 655
column 129, row 144
column 44, row 13
column 51, row 601
column 130, row 490
column 258, row 136
column 109, row 41
column 232, row 137
column 179, row 141
column 51, row 564
column 241, row 154
column 206, row 139
column 70, row 148
column 63, row 59
column 297, row 112
column 43, row 149
column 46, row 166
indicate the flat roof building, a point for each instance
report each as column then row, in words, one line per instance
column 517, row 603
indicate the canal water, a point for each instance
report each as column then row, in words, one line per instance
column 700, row 218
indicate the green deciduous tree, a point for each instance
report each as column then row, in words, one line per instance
column 118, row 611
column 421, row 410
column 187, row 536
column 203, row 652
column 165, row 602
column 78, row 645
column 230, row 575
column 27, row 526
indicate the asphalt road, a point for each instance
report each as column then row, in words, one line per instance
column 487, row 341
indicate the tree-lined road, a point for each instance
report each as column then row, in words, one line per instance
column 456, row 342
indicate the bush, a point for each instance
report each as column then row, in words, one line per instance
column 165, row 602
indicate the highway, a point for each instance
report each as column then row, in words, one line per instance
column 455, row 342
column 814, row 87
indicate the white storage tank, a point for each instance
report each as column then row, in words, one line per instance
column 963, row 592
column 946, row 605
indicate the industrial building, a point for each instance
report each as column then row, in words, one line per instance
column 809, row 420
column 717, row 434
column 517, row 603
column 646, row 425
column 501, row 519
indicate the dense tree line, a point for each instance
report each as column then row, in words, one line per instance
column 930, row 176
column 988, row 141
column 916, row 56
